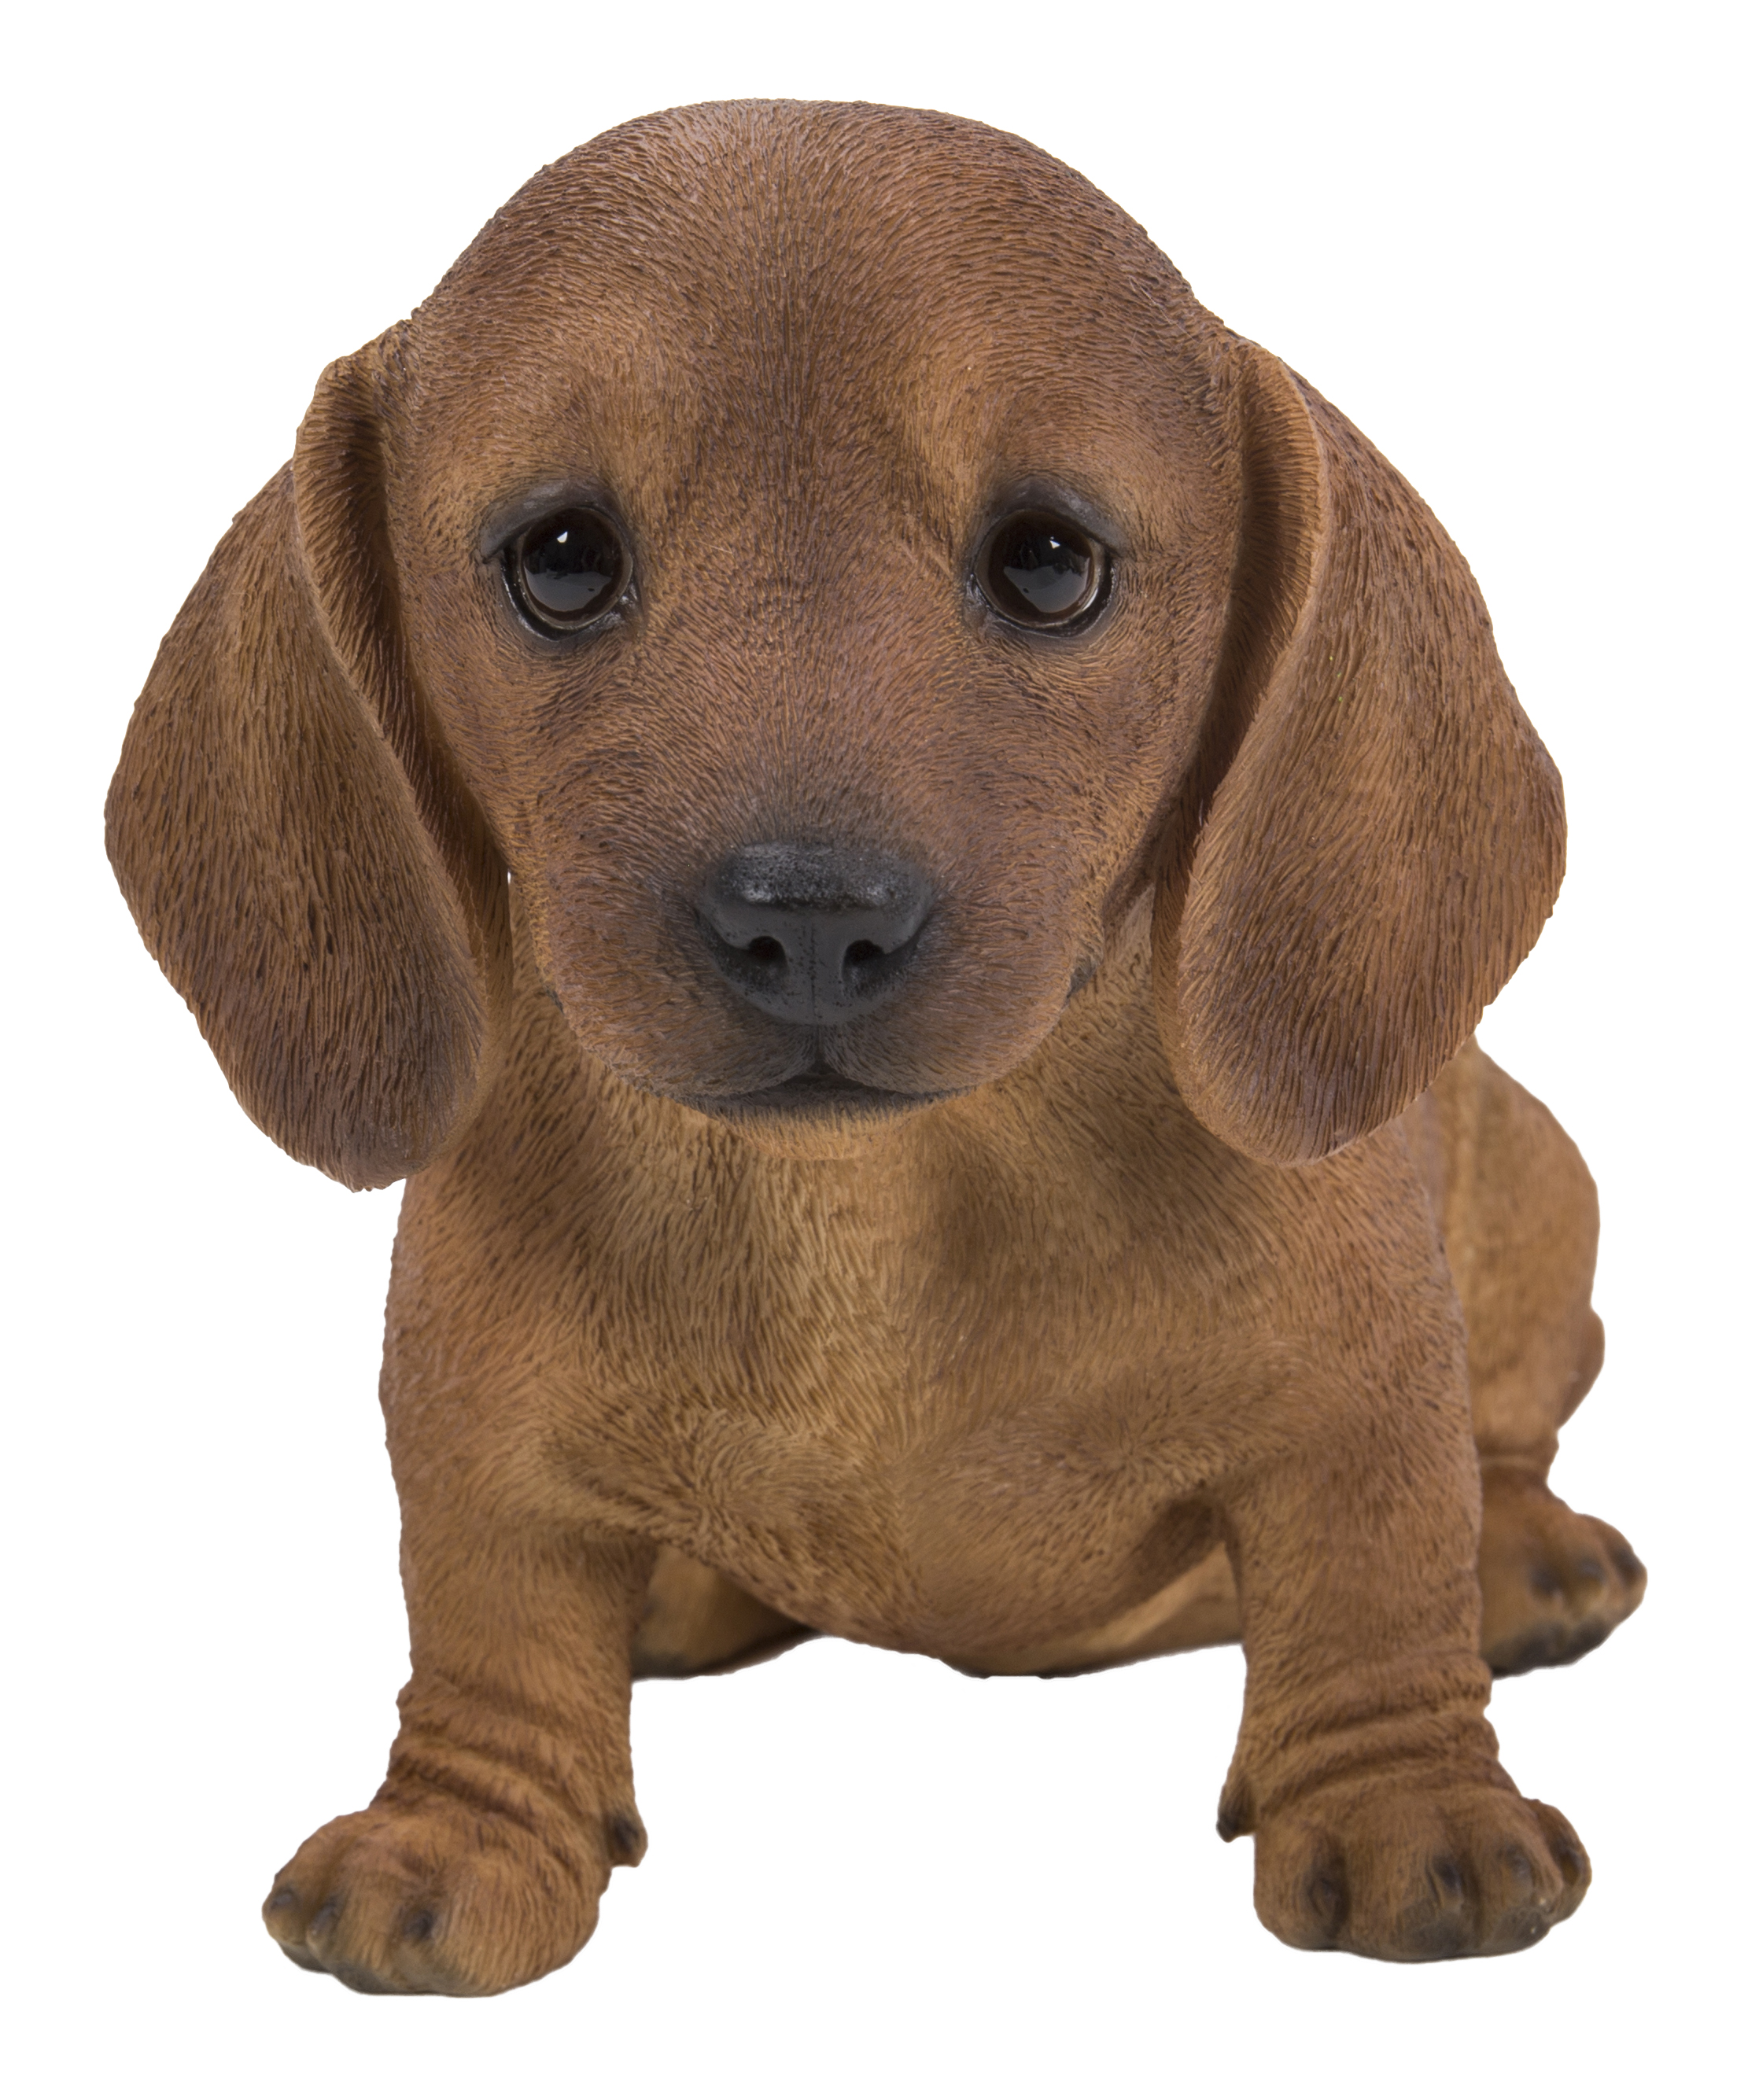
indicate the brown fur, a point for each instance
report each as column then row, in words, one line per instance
column 1146, row 1331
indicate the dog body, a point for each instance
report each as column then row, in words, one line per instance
column 938, row 1109
column 874, row 1396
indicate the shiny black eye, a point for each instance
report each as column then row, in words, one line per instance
column 1040, row 571
column 566, row 571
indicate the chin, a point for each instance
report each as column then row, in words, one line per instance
column 817, row 1116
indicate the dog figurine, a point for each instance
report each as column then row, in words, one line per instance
column 901, row 837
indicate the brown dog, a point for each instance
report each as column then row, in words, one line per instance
column 903, row 836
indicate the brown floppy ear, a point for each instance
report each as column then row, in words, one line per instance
column 1384, row 833
column 288, row 831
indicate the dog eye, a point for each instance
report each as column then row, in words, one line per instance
column 1040, row 572
column 566, row 571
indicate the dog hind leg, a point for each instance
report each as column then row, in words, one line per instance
column 1518, row 1211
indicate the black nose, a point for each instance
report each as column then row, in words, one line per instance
column 815, row 935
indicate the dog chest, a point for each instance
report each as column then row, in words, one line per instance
column 923, row 1411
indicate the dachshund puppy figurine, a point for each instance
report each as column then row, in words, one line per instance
column 901, row 836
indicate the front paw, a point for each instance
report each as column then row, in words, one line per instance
column 440, row 1895
column 1554, row 1584
column 1405, row 1872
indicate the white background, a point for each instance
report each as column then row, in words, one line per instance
column 1502, row 240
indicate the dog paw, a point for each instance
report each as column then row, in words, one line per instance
column 1554, row 1584
column 440, row 1897
column 1401, row 1873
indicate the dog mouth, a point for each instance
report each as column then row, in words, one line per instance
column 820, row 1095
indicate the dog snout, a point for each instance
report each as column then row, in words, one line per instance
column 814, row 935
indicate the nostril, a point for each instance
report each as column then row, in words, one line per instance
column 813, row 935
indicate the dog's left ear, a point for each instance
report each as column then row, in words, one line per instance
column 1384, row 832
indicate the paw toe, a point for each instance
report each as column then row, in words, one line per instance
column 1571, row 1861
column 1302, row 1892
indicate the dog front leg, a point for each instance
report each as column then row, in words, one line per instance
column 1366, row 1767
column 480, row 1864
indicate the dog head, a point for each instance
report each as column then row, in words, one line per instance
column 827, row 558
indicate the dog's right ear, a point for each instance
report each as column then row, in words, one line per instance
column 289, row 833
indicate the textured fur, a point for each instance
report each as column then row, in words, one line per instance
column 1220, row 1277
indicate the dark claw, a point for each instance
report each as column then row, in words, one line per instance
column 1327, row 1898
column 1517, row 1860
column 1448, row 1875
